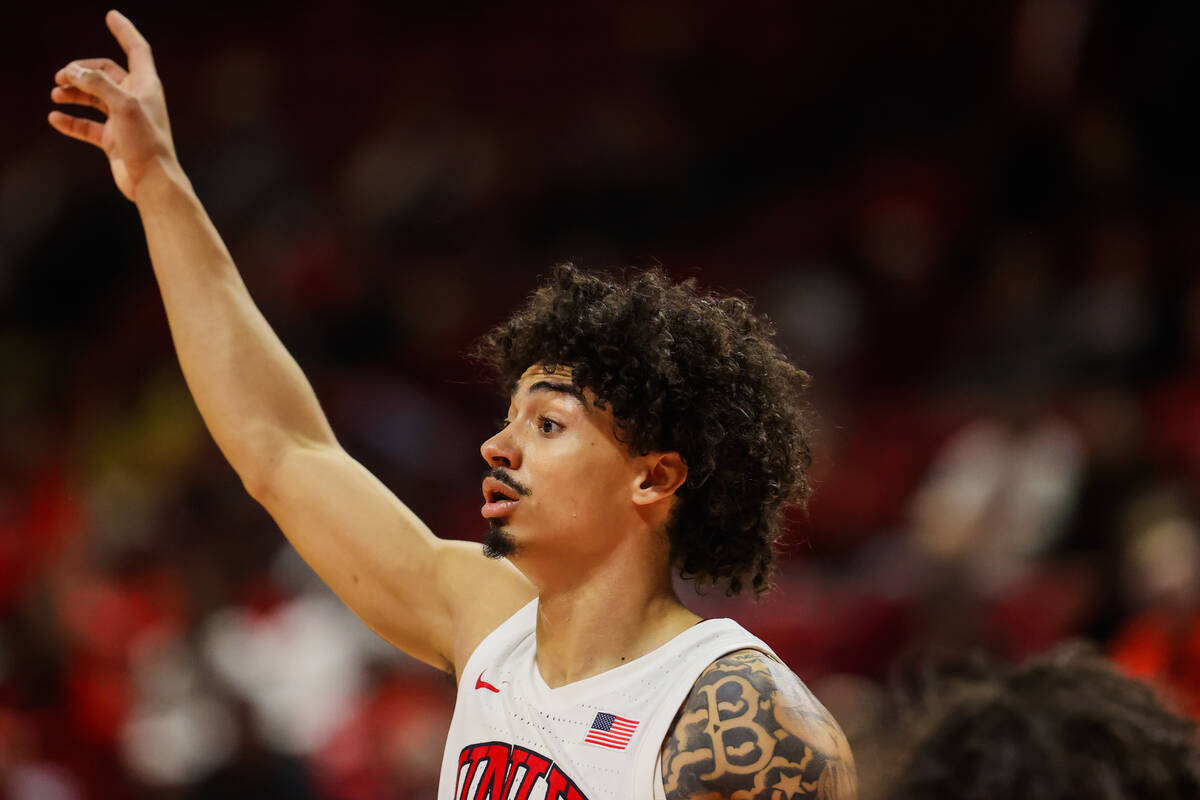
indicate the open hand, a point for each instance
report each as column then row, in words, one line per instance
column 136, row 136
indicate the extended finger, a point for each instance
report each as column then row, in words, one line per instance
column 69, row 95
column 85, row 130
column 90, row 81
column 131, row 41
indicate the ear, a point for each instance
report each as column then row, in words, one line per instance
column 661, row 476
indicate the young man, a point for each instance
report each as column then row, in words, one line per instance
column 649, row 427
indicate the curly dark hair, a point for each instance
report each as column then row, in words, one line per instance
column 1063, row 726
column 684, row 371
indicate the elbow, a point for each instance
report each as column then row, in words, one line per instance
column 259, row 485
column 259, row 467
column 277, row 474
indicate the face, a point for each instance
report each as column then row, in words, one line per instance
column 559, row 483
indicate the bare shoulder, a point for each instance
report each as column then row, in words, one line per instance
column 751, row 730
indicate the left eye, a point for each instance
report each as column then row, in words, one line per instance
column 547, row 425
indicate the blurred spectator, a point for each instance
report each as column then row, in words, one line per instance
column 1160, row 641
column 1060, row 726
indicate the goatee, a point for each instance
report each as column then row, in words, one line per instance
column 498, row 542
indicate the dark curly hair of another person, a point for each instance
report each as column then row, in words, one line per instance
column 684, row 371
column 1063, row 726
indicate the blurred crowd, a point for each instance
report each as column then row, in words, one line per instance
column 974, row 225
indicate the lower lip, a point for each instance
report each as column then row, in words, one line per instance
column 501, row 508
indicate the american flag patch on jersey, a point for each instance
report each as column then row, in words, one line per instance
column 609, row 730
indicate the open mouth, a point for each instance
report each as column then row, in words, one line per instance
column 499, row 499
column 499, row 494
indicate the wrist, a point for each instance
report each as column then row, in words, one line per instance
column 162, row 178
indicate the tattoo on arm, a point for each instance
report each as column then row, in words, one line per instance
column 750, row 730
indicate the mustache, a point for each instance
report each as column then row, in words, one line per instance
column 509, row 481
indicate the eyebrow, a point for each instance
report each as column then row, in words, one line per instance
column 557, row 386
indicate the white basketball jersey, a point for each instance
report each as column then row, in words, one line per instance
column 515, row 738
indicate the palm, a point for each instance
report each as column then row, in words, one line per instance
column 120, row 174
column 110, row 143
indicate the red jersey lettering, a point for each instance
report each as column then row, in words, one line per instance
column 492, row 768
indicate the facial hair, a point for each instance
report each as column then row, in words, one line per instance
column 498, row 542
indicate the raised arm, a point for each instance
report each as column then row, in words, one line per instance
column 407, row 584
column 750, row 730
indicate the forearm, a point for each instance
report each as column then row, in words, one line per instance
column 250, row 391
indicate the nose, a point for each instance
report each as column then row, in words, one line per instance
column 499, row 451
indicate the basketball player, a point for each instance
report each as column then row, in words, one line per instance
column 649, row 427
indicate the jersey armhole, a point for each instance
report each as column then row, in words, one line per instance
column 676, row 700
column 499, row 633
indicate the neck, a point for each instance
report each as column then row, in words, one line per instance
column 604, row 622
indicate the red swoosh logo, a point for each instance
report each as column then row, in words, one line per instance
column 480, row 683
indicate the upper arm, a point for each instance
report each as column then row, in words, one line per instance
column 750, row 730
column 432, row 598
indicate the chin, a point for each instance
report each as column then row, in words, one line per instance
column 499, row 542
